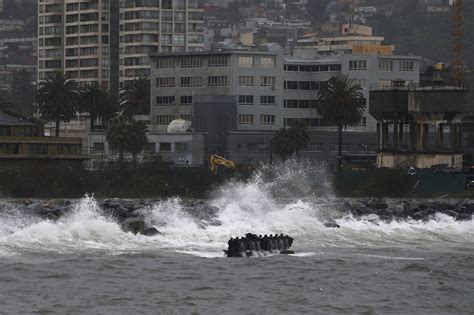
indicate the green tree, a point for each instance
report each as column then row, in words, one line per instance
column 341, row 103
column 135, row 97
column 97, row 102
column 126, row 135
column 137, row 139
column 56, row 99
column 289, row 141
column 117, row 135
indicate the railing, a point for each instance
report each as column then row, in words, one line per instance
column 420, row 87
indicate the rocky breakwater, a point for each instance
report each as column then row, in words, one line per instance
column 129, row 214
column 414, row 209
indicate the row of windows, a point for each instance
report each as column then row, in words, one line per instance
column 214, row 61
column 346, row 147
column 301, row 85
column 384, row 65
column 313, row 68
column 192, row 81
column 265, row 100
column 171, row 100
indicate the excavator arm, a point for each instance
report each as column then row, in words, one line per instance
column 217, row 160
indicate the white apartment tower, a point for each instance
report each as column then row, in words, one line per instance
column 109, row 41
column 153, row 26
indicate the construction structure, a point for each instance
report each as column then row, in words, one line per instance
column 420, row 126
column 458, row 42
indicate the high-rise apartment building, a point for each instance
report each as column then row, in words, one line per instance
column 75, row 37
column 151, row 26
column 107, row 41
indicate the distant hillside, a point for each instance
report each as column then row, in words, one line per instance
column 426, row 35
column 413, row 31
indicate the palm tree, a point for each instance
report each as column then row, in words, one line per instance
column 56, row 99
column 97, row 102
column 341, row 103
column 290, row 141
column 117, row 135
column 136, row 138
column 135, row 97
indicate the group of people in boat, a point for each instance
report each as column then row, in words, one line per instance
column 253, row 243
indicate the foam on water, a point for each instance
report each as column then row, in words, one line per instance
column 291, row 198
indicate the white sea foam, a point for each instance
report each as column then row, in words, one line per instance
column 291, row 198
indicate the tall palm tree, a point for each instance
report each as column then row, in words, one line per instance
column 341, row 103
column 137, row 138
column 135, row 97
column 117, row 135
column 56, row 99
column 97, row 102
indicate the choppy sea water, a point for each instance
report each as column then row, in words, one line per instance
column 84, row 263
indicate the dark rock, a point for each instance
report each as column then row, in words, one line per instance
column 420, row 215
column 464, row 217
column 332, row 225
column 133, row 225
column 377, row 204
column 151, row 231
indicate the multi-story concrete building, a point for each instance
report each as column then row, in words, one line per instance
column 88, row 39
column 149, row 27
column 80, row 39
column 270, row 91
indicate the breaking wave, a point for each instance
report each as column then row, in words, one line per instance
column 291, row 198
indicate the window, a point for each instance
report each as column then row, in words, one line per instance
column 291, row 68
column 346, row 147
column 191, row 81
column 245, row 99
column 165, row 63
column 246, row 80
column 245, row 119
column 267, row 81
column 217, row 81
column 165, row 100
column 218, row 61
column 186, row 100
column 164, row 120
column 310, row 122
column 267, row 120
column 385, row 65
column 150, row 147
column 358, row 65
column 165, row 82
column 406, row 66
column 267, row 100
column 165, row 146
column 98, row 147
column 267, row 62
column 360, row 82
column 302, row 103
column 301, row 85
column 191, row 62
column 314, row 147
column 181, row 147
column 367, row 148
column 246, row 62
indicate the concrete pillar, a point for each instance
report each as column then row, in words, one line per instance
column 384, row 136
column 460, row 148
column 413, row 136
column 453, row 135
column 439, row 136
column 426, row 134
column 395, row 136
column 400, row 135
column 419, row 137
column 379, row 139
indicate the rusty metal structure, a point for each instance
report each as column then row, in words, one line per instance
column 458, row 41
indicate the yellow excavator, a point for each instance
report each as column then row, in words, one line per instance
column 217, row 160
